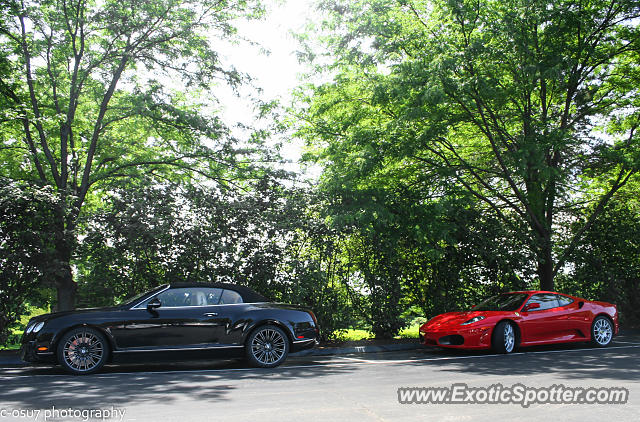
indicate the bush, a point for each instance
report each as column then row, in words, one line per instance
column 27, row 236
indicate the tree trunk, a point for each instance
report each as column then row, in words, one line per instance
column 66, row 290
column 62, row 275
column 545, row 264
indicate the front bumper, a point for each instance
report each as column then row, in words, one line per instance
column 465, row 338
column 29, row 353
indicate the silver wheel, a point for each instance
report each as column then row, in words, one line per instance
column 509, row 338
column 268, row 346
column 602, row 331
column 83, row 351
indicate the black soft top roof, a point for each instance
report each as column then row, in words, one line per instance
column 248, row 295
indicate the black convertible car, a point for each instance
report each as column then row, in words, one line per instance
column 177, row 320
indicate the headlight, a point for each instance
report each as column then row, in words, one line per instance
column 29, row 328
column 472, row 320
column 37, row 327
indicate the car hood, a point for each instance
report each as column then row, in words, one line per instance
column 453, row 318
column 53, row 315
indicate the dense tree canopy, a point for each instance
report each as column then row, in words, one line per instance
column 27, row 242
column 529, row 106
column 266, row 238
column 85, row 98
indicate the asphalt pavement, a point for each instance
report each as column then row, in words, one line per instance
column 356, row 386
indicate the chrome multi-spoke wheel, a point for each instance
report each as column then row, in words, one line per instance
column 267, row 346
column 509, row 338
column 504, row 337
column 602, row 331
column 82, row 351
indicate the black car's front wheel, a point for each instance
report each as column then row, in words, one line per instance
column 83, row 351
column 267, row 347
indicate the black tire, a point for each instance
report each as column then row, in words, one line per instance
column 267, row 347
column 601, row 331
column 83, row 351
column 504, row 337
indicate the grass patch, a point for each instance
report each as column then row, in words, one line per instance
column 358, row 334
column 353, row 335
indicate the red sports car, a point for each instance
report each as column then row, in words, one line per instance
column 526, row 318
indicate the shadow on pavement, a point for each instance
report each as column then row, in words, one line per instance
column 572, row 361
column 124, row 385
column 127, row 384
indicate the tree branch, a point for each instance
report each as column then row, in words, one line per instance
column 34, row 103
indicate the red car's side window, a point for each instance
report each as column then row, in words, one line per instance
column 564, row 300
column 546, row 301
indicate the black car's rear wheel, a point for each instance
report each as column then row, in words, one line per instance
column 601, row 331
column 504, row 337
column 267, row 347
column 83, row 351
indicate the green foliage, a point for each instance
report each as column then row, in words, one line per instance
column 86, row 102
column 97, row 106
column 152, row 234
column 26, row 249
column 15, row 334
column 606, row 266
column 436, row 255
column 520, row 104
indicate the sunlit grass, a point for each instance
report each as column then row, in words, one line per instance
column 358, row 334
column 353, row 335
column 409, row 332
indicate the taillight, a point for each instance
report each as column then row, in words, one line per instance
column 313, row 317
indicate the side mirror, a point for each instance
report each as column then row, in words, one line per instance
column 153, row 304
column 531, row 306
column 580, row 305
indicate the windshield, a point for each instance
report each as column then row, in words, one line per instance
column 502, row 302
column 133, row 299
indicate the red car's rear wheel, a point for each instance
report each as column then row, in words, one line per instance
column 601, row 331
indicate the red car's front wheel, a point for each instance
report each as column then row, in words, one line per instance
column 504, row 337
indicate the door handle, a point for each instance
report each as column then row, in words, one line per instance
column 211, row 314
